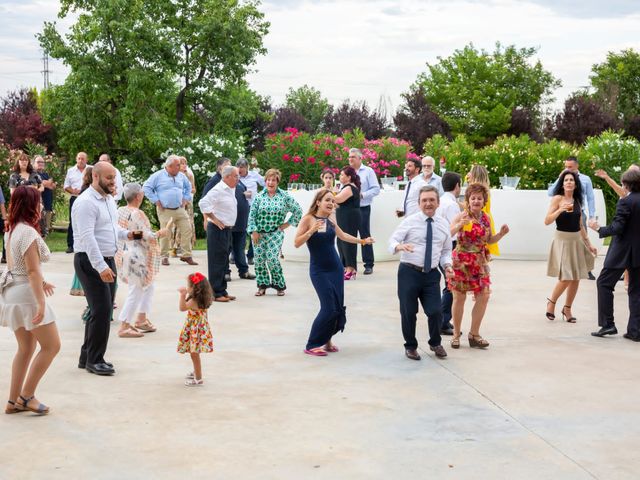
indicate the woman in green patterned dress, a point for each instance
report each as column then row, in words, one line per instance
column 266, row 226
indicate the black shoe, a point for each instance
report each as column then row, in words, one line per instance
column 446, row 331
column 69, row 250
column 100, row 369
column 250, row 261
column 605, row 331
column 227, row 277
column 4, row 260
column 412, row 353
column 631, row 337
column 591, row 277
column 247, row 276
column 83, row 365
column 368, row 270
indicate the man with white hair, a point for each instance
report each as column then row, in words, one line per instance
column 220, row 207
column 72, row 185
column 428, row 174
column 170, row 190
column 369, row 188
column 104, row 157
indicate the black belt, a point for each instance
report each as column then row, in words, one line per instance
column 167, row 208
column 417, row 268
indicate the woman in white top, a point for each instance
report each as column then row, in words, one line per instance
column 22, row 302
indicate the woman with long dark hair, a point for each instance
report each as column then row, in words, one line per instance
column 318, row 231
column 571, row 257
column 22, row 298
column 348, row 218
column 24, row 174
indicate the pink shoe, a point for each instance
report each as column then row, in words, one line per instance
column 350, row 275
column 316, row 352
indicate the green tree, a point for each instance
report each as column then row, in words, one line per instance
column 475, row 91
column 618, row 80
column 309, row 103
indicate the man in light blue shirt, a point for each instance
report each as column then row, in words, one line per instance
column 588, row 199
column 369, row 188
column 429, row 176
column 170, row 190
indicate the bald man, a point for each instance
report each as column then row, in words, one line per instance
column 96, row 234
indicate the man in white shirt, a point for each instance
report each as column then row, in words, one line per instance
column 117, row 196
column 72, row 185
column 412, row 169
column 96, row 231
column 220, row 208
column 250, row 179
column 369, row 188
column 428, row 174
column 449, row 208
column 425, row 242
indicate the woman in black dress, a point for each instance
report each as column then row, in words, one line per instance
column 348, row 217
column 24, row 174
column 318, row 231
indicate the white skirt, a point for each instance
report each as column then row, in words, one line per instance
column 18, row 306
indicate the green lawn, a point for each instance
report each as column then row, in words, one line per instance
column 57, row 242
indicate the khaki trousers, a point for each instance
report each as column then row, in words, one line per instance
column 182, row 222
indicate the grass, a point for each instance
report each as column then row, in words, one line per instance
column 57, row 242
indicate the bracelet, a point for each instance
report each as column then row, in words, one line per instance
column 362, row 242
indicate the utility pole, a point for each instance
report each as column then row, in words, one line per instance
column 45, row 69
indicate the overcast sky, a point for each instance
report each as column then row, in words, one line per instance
column 368, row 49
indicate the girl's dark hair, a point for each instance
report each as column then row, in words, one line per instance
column 16, row 165
column 353, row 176
column 25, row 207
column 325, row 171
column 87, row 178
column 201, row 292
column 577, row 193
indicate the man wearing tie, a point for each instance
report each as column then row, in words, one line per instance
column 425, row 242
column 412, row 168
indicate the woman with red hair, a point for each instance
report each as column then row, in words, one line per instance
column 22, row 302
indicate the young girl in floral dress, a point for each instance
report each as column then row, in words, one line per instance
column 195, row 337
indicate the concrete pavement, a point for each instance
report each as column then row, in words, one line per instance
column 546, row 400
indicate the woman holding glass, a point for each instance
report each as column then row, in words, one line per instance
column 267, row 225
column 319, row 231
column 571, row 257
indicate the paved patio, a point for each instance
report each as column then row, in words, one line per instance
column 546, row 400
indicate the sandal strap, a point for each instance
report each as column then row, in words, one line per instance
column 551, row 301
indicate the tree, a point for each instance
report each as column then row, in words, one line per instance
column 416, row 122
column 583, row 117
column 20, row 120
column 619, row 78
column 285, row 117
column 309, row 103
column 633, row 127
column 126, row 57
column 357, row 115
column 523, row 123
column 476, row 91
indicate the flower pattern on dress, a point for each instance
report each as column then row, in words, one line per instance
column 137, row 261
column 471, row 257
column 195, row 336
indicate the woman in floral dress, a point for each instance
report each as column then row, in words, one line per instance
column 266, row 226
column 471, row 263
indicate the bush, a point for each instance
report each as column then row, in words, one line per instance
column 302, row 157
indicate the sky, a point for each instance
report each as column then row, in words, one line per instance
column 374, row 49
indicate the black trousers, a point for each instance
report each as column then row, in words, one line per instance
column 100, row 297
column 606, row 283
column 447, row 299
column 238, row 243
column 424, row 286
column 218, row 258
column 365, row 231
column 70, row 228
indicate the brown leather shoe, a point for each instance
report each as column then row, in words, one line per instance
column 221, row 299
column 165, row 261
column 188, row 260
column 412, row 354
column 231, row 297
column 439, row 351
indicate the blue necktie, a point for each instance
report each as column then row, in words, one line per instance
column 406, row 195
column 428, row 247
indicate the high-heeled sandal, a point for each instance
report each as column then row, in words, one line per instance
column 550, row 316
column 15, row 408
column 568, row 319
column 42, row 409
column 476, row 341
column 455, row 341
column 260, row 293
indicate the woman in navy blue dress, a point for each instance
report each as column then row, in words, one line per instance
column 318, row 230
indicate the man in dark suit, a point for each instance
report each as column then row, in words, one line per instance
column 624, row 253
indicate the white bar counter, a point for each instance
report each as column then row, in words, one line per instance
column 523, row 210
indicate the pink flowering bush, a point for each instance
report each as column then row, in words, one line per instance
column 302, row 157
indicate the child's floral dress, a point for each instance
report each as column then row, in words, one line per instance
column 195, row 336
